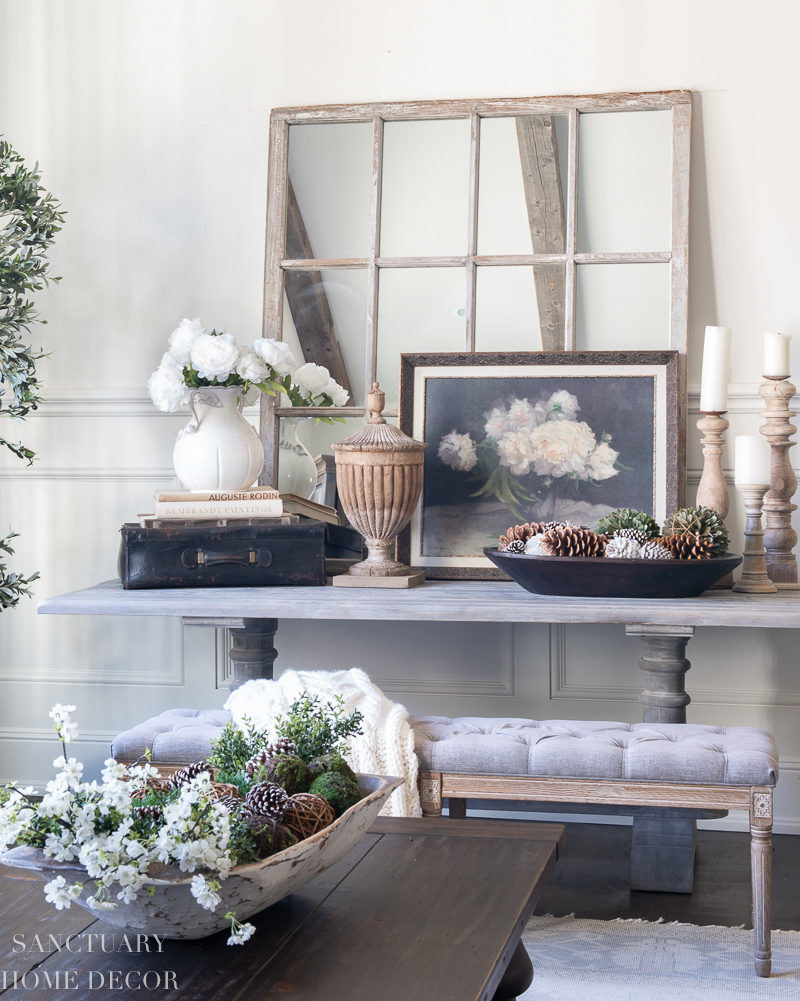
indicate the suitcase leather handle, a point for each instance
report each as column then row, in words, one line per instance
column 193, row 558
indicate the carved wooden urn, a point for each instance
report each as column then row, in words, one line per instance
column 379, row 478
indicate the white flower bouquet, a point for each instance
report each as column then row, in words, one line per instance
column 198, row 357
column 527, row 448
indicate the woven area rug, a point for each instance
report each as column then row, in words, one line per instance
column 576, row 959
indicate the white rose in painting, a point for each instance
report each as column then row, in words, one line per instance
column 600, row 464
column 516, row 451
column 183, row 337
column 560, row 448
column 214, row 356
column 166, row 387
column 337, row 393
column 458, row 451
column 251, row 367
column 312, row 379
column 276, row 354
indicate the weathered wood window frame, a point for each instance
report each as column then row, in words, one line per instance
column 278, row 265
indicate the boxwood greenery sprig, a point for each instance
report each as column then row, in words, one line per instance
column 317, row 728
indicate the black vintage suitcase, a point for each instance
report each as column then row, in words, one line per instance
column 222, row 556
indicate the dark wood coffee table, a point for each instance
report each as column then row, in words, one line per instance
column 420, row 910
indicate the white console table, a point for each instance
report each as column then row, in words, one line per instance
column 664, row 626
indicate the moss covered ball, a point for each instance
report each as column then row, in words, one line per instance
column 270, row 837
column 332, row 762
column 289, row 772
column 340, row 792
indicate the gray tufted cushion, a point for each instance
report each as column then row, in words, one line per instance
column 177, row 736
column 477, row 745
column 645, row 752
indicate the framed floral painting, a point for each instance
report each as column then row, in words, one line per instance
column 546, row 436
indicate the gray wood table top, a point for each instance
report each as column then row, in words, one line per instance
column 433, row 601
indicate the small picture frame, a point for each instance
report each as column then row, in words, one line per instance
column 534, row 436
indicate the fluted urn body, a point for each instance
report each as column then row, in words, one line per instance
column 379, row 478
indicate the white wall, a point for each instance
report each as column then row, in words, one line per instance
column 150, row 120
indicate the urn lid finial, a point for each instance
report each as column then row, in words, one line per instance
column 377, row 435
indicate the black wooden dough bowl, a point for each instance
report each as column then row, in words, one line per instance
column 601, row 577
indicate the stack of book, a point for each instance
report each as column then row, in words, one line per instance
column 253, row 506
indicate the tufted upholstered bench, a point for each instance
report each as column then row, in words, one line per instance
column 631, row 765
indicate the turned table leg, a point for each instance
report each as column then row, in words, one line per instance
column 662, row 851
column 253, row 650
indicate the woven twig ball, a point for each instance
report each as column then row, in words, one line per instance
column 306, row 814
column 225, row 790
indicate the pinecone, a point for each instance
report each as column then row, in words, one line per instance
column 236, row 806
column 521, row 533
column 516, row 546
column 627, row 518
column 700, row 521
column 655, row 549
column 153, row 813
column 536, row 546
column 637, row 535
column 268, row 800
column 257, row 762
column 572, row 541
column 185, row 775
column 690, row 546
column 621, row 548
column 284, row 745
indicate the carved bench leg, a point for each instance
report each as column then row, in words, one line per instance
column 761, row 863
column 430, row 793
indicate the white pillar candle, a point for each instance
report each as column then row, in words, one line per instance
column 776, row 355
column 751, row 458
column 716, row 363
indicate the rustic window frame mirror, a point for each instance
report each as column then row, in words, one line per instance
column 285, row 234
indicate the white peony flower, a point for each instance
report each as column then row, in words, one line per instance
column 516, row 451
column 167, row 389
column 562, row 406
column 496, row 422
column 458, row 451
column 251, row 367
column 560, row 448
column 214, row 356
column 522, row 415
column 183, row 337
column 311, row 379
column 276, row 354
column 337, row 393
column 600, row 464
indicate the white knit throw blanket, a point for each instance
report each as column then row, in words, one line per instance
column 386, row 747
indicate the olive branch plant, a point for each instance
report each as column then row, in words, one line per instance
column 29, row 219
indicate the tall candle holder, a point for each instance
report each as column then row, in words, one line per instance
column 779, row 536
column 712, row 491
column 754, row 579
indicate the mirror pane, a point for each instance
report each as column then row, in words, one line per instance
column 523, row 167
column 425, row 195
column 330, row 172
column 624, row 182
column 508, row 317
column 321, row 306
column 419, row 309
column 622, row 307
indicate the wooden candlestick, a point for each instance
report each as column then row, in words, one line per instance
column 712, row 491
column 779, row 536
column 754, row 579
